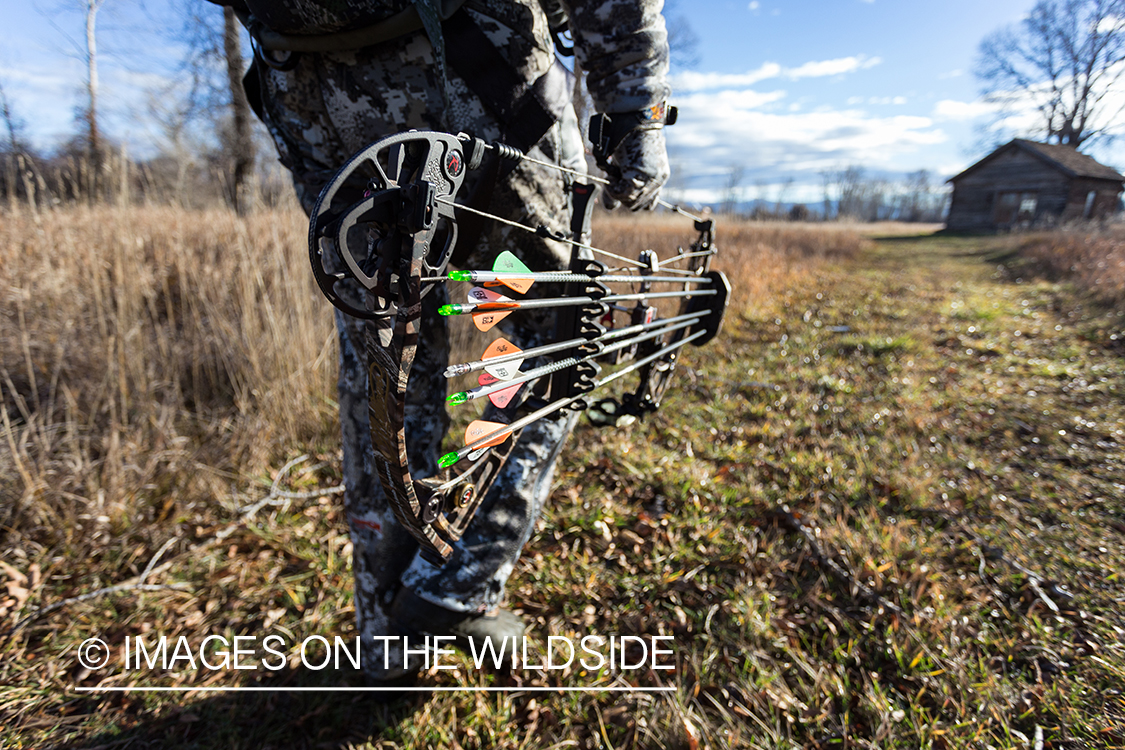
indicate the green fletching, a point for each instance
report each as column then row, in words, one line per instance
column 461, row 275
column 506, row 262
column 456, row 398
column 448, row 460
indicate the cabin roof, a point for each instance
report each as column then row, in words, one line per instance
column 1066, row 159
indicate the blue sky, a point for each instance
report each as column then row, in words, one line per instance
column 784, row 89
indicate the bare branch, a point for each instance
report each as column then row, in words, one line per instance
column 1062, row 62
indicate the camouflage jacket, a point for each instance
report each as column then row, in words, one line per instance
column 622, row 45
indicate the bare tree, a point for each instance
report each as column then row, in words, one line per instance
column 14, row 125
column 12, row 152
column 93, row 137
column 211, row 96
column 916, row 196
column 1064, row 59
column 852, row 192
column 782, row 194
column 827, row 177
column 683, row 42
column 241, row 144
column 733, row 188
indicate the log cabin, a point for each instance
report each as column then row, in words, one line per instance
column 1024, row 183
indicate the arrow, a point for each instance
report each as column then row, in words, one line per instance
column 506, row 305
column 501, row 432
column 520, row 356
column 504, row 385
column 487, row 277
column 512, row 273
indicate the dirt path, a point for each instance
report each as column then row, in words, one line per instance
column 951, row 442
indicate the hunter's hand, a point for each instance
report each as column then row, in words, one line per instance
column 641, row 169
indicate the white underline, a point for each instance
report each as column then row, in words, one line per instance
column 530, row 689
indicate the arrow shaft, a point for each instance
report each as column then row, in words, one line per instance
column 538, row 351
column 464, row 308
column 451, row 458
column 487, row 390
column 479, row 277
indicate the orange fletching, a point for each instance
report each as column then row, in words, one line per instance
column 499, row 348
column 484, row 321
column 480, row 429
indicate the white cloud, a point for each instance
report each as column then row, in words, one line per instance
column 696, row 81
column 755, row 6
column 835, row 67
column 898, row 100
column 716, row 130
column 951, row 109
column 1110, row 23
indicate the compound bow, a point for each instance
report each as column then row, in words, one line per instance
column 396, row 243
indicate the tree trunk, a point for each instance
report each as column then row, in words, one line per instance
column 93, row 145
column 242, row 147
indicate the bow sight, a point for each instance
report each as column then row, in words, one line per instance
column 381, row 236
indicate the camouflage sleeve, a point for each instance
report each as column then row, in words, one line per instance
column 623, row 47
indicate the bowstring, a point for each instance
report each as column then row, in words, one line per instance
column 604, row 182
column 636, row 263
column 631, row 261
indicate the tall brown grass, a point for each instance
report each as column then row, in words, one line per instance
column 155, row 360
column 758, row 257
column 151, row 357
column 1093, row 260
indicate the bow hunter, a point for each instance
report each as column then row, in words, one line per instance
column 329, row 78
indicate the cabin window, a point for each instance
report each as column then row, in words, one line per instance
column 1014, row 207
column 1088, row 211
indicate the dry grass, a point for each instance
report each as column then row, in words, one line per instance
column 883, row 510
column 151, row 359
column 760, row 256
column 1093, row 259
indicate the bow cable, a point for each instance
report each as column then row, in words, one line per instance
column 462, row 397
column 449, row 459
column 544, row 232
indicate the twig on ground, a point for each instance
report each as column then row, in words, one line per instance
column 93, row 595
column 793, row 524
column 276, row 497
column 734, row 383
column 285, row 497
column 159, row 553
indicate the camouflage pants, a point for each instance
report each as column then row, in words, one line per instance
column 319, row 114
